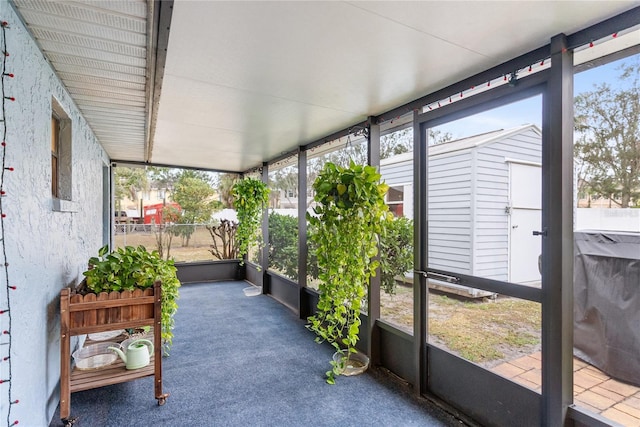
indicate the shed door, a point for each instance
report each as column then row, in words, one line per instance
column 525, row 194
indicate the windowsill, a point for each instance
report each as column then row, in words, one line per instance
column 60, row 205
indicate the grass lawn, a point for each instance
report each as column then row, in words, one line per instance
column 483, row 331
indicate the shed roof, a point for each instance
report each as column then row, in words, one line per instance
column 466, row 143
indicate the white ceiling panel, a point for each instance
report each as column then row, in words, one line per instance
column 495, row 29
column 246, row 81
column 262, row 78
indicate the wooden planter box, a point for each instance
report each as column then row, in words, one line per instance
column 91, row 313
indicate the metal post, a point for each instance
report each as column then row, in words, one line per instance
column 557, row 237
column 373, row 348
column 264, row 252
column 420, row 255
column 303, row 252
column 108, row 210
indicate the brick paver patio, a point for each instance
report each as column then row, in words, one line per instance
column 592, row 389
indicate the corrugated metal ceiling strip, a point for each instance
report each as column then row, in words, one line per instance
column 119, row 128
column 112, row 92
column 128, row 105
column 80, row 13
column 115, row 95
column 125, row 147
column 125, row 156
column 118, row 138
column 87, row 29
column 49, row 46
column 98, row 73
column 127, row 117
column 59, row 36
column 97, row 68
column 135, row 8
column 119, row 122
column 116, row 141
column 100, row 110
column 110, row 130
column 88, row 81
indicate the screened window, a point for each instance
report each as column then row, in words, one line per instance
column 61, row 153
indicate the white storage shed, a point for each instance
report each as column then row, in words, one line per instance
column 484, row 203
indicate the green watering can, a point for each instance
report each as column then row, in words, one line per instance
column 138, row 354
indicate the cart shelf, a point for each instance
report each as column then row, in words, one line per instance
column 100, row 313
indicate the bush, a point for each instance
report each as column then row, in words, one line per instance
column 129, row 268
column 283, row 247
column 396, row 252
column 283, row 244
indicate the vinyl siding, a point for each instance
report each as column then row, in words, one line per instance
column 491, row 254
column 397, row 173
column 450, row 211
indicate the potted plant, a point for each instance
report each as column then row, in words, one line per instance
column 346, row 224
column 129, row 268
column 250, row 196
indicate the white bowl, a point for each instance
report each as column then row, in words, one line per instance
column 95, row 356
column 357, row 363
column 252, row 291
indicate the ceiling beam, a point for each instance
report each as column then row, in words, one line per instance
column 158, row 27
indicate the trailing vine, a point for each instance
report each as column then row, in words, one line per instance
column 347, row 222
column 129, row 268
column 250, row 197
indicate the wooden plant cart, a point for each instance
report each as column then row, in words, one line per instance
column 93, row 313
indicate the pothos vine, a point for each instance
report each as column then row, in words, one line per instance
column 250, row 196
column 349, row 218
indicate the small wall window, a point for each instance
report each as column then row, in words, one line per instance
column 395, row 200
column 61, row 153
column 55, row 136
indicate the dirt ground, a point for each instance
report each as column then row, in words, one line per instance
column 197, row 250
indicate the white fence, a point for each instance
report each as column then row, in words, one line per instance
column 608, row 219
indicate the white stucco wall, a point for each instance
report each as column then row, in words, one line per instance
column 46, row 249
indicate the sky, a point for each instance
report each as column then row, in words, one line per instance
column 530, row 110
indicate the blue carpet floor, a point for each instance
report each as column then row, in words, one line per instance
column 249, row 361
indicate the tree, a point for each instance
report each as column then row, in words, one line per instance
column 128, row 182
column 401, row 141
column 283, row 181
column 193, row 193
column 607, row 148
column 163, row 177
column 224, row 185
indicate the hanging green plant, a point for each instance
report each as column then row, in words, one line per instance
column 250, row 196
column 349, row 218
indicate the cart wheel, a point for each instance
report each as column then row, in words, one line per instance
column 68, row 422
column 162, row 399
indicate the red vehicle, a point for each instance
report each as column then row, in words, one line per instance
column 161, row 213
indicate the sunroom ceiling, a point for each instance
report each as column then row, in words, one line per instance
column 245, row 82
column 99, row 50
